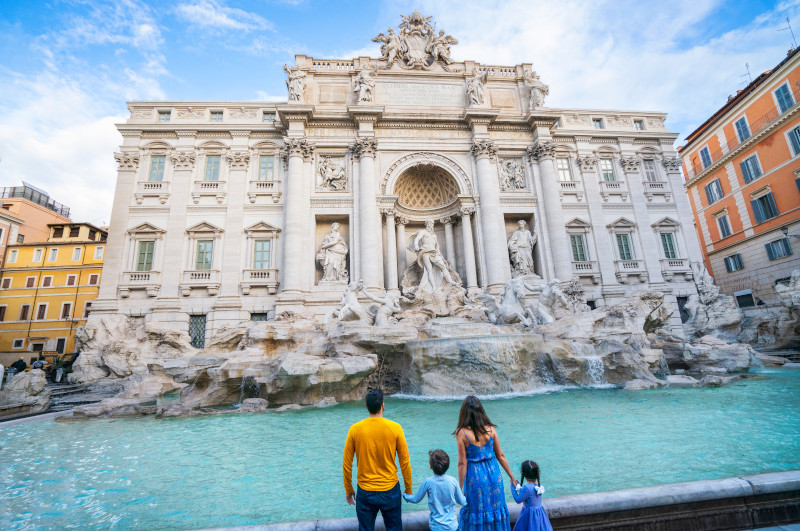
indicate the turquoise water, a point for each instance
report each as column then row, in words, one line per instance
column 232, row 470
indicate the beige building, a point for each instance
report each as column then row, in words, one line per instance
column 25, row 215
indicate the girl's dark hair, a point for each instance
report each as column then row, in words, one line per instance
column 530, row 471
column 473, row 416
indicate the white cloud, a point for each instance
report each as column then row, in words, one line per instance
column 214, row 15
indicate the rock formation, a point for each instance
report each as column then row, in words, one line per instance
column 25, row 394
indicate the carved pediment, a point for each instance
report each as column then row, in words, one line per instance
column 622, row 223
column 204, row 227
column 262, row 227
column 664, row 223
column 578, row 223
column 145, row 227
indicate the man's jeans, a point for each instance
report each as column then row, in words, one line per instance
column 388, row 502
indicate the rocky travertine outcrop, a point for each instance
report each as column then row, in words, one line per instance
column 25, row 394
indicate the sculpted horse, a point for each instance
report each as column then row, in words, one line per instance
column 510, row 310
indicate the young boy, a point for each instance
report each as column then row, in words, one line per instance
column 443, row 494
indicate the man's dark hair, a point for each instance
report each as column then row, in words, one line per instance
column 374, row 400
column 440, row 461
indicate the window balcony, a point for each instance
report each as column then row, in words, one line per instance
column 586, row 269
column 150, row 281
column 571, row 188
column 159, row 189
column 209, row 188
column 253, row 278
column 266, row 188
column 652, row 189
column 609, row 188
column 628, row 268
column 676, row 266
column 200, row 278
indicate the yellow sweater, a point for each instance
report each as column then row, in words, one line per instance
column 375, row 441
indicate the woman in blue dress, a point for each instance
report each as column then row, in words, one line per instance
column 479, row 462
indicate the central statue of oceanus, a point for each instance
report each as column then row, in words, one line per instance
column 430, row 260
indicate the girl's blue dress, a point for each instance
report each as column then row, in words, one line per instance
column 486, row 508
column 532, row 517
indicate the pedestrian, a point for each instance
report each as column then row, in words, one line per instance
column 532, row 517
column 443, row 493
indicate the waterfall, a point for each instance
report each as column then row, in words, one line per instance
column 596, row 370
column 248, row 386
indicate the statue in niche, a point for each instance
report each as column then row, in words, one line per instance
column 475, row 88
column 430, row 260
column 334, row 176
column 391, row 48
column 520, row 248
column 296, row 83
column 538, row 90
column 550, row 296
column 439, row 47
column 332, row 256
column 512, row 175
column 384, row 309
column 364, row 85
column 511, row 308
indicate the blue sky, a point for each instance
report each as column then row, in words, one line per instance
column 68, row 67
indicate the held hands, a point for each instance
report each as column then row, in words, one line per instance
column 351, row 499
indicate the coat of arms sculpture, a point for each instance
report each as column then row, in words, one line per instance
column 416, row 45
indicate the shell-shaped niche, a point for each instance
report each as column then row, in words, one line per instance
column 426, row 186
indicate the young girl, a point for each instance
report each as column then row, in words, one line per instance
column 532, row 517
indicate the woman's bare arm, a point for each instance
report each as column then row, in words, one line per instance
column 501, row 457
column 462, row 457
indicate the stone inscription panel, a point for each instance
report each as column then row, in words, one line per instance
column 420, row 94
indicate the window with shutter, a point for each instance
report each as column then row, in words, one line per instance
column 778, row 249
column 578, row 243
column 624, row 246
column 784, row 97
column 705, row 156
column 668, row 242
column 764, row 207
column 751, row 169
column 742, row 130
column 794, row 140
column 724, row 225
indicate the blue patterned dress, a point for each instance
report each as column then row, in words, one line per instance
column 486, row 508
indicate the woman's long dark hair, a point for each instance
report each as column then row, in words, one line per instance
column 530, row 471
column 473, row 416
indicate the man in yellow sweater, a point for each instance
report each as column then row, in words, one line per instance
column 376, row 440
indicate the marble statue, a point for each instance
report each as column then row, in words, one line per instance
column 332, row 256
column 350, row 308
column 439, row 47
column 391, row 48
column 520, row 247
column 789, row 293
column 512, row 175
column 475, row 88
column 333, row 176
column 709, row 292
column 549, row 298
column 511, row 309
column 384, row 309
column 416, row 44
column 429, row 258
column 296, row 83
column 538, row 90
column 364, row 85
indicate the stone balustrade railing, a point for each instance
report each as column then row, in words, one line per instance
column 265, row 188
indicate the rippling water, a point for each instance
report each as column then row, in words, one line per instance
column 232, row 470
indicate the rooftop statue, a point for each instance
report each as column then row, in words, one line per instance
column 296, row 83
column 364, row 85
column 475, row 88
column 416, row 45
column 538, row 90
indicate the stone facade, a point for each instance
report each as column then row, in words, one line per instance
column 221, row 208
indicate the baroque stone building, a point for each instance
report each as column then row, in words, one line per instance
column 229, row 211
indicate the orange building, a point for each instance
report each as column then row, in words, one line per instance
column 26, row 215
column 742, row 170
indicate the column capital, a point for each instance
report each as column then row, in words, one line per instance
column 587, row 164
column 298, row 147
column 483, row 148
column 237, row 160
column 127, row 161
column 672, row 165
column 388, row 212
column 542, row 150
column 467, row 210
column 182, row 160
column 365, row 147
column 400, row 220
column 630, row 164
column 447, row 220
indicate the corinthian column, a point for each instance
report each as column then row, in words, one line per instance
column 543, row 153
column 291, row 272
column 469, row 249
column 498, row 269
column 370, row 239
column 448, row 241
column 391, row 251
column 401, row 246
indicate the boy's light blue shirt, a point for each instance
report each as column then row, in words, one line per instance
column 443, row 494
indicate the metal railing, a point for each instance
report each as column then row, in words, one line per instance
column 34, row 196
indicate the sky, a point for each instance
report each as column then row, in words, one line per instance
column 68, row 67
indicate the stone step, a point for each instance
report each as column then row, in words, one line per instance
column 54, row 393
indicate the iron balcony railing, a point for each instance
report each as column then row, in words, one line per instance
column 35, row 196
column 755, row 128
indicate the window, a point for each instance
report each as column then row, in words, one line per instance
column 750, row 168
column 744, row 298
column 261, row 253
column 668, row 243
column 71, row 280
column 778, row 249
column 37, row 255
column 259, row 317
column 144, row 260
column 61, row 343
column 216, row 116
column 24, row 310
column 53, row 255
column 624, row 246
column 734, row 263
column 30, row 282
column 794, row 140
column 784, row 97
column 98, row 253
column 212, row 168
column 66, row 310
column 724, row 225
column 2, row 313
column 12, row 256
column 764, row 207
column 86, row 309
column 157, row 168
column 164, row 116
column 607, row 169
column 742, row 130
column 597, row 123
column 47, row 281
column 18, row 343
column 7, row 283
column 93, row 279
column 58, row 232
column 705, row 156
column 268, row 116
column 92, row 234
column 20, row 238
column 578, row 242
column 713, row 191
column 74, row 231
column 650, row 172
column 266, row 167
column 562, row 166
column 197, row 330
column 205, row 249
column 41, row 312
column 638, row 125
column 76, row 254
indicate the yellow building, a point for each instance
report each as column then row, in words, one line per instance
column 47, row 288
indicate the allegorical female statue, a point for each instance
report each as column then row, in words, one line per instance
column 520, row 248
column 332, row 256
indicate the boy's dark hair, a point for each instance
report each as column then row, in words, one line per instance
column 440, row 461
column 374, row 400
